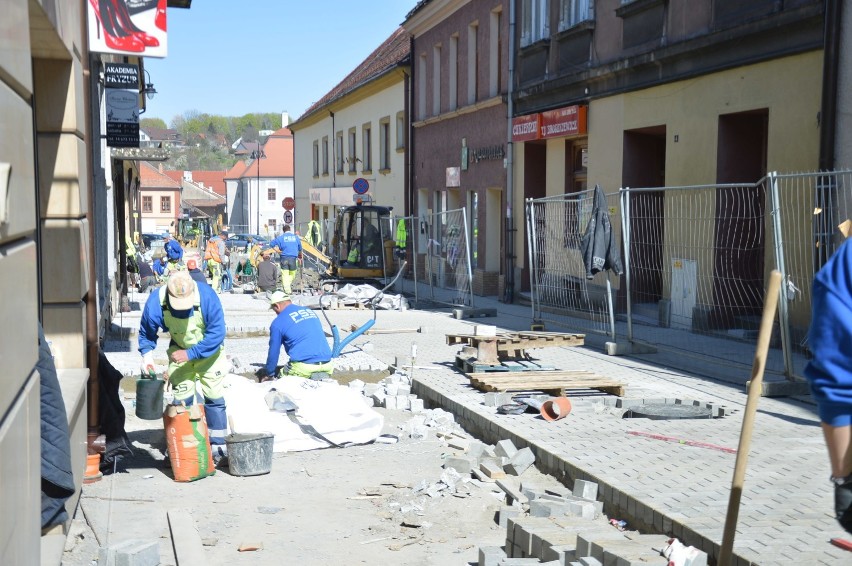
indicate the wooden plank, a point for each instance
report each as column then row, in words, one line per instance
column 565, row 374
column 189, row 551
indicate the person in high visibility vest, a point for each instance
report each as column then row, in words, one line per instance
column 314, row 235
column 289, row 245
column 401, row 238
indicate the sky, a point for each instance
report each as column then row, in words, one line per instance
column 232, row 58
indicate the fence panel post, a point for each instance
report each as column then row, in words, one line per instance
column 531, row 250
column 783, row 312
column 625, row 235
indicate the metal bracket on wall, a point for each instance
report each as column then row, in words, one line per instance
column 5, row 175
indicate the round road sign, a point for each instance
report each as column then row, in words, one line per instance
column 289, row 203
column 288, row 217
column 360, row 185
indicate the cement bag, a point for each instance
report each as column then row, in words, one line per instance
column 338, row 413
column 188, row 442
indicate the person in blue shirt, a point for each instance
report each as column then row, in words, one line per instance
column 159, row 265
column 289, row 245
column 830, row 371
column 192, row 314
column 174, row 251
column 300, row 331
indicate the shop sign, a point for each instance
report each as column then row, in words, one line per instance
column 491, row 152
column 453, row 176
column 525, row 128
column 568, row 121
column 122, row 27
column 122, row 105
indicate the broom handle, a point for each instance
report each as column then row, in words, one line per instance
column 770, row 303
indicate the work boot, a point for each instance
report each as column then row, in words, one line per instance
column 220, row 454
column 843, row 501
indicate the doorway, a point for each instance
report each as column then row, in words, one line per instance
column 740, row 238
column 644, row 165
column 535, row 186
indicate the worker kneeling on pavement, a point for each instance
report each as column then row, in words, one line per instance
column 193, row 315
column 300, row 331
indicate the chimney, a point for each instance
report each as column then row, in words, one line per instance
column 285, row 119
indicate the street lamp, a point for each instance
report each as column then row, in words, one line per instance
column 257, row 154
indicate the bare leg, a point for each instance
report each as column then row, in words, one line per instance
column 838, row 439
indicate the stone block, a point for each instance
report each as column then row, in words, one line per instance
column 356, row 384
column 585, row 489
column 391, row 388
column 490, row 399
column 403, row 402
column 562, row 553
column 492, row 470
column 505, row 512
column 484, row 330
column 132, row 552
column 461, row 465
column 389, row 402
column 544, row 508
column 520, row 462
column 505, row 448
column 590, row 561
column 370, row 389
column 589, row 543
column 461, row 444
column 491, row 555
column 416, row 404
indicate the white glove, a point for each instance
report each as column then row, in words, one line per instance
column 148, row 363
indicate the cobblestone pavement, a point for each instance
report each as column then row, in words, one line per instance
column 672, row 487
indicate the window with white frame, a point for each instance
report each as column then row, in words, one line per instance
column 147, row 204
column 270, row 193
column 384, row 144
column 366, row 147
column 351, row 155
column 572, row 12
column 400, row 130
column 316, row 158
column 338, row 152
column 535, row 23
column 165, row 204
column 273, row 225
column 436, row 80
column 472, row 63
column 325, row 155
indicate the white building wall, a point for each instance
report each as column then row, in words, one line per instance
column 387, row 187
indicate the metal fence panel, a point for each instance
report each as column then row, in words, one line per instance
column 562, row 295
column 448, row 267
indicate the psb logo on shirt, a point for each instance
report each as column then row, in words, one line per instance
column 302, row 315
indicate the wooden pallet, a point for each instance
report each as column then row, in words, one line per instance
column 553, row 382
column 519, row 341
column 473, row 366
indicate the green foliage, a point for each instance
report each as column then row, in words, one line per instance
column 153, row 123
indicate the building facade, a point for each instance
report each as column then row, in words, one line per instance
column 459, row 124
column 358, row 130
column 159, row 203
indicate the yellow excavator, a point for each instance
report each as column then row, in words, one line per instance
column 361, row 249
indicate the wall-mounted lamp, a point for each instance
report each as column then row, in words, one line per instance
column 149, row 89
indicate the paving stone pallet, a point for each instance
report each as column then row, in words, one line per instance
column 472, row 365
column 514, row 343
column 553, row 382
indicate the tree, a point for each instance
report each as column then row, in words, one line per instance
column 158, row 123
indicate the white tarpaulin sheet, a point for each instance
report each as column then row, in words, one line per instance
column 338, row 413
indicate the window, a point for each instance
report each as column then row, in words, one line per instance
column 572, row 12
column 421, row 88
column 325, row 155
column 270, row 193
column 535, row 24
column 316, row 158
column 436, row 80
column 495, row 54
column 472, row 63
column 453, row 62
column 165, row 204
column 352, row 156
column 273, row 226
column 384, row 144
column 366, row 148
column 338, row 152
column 147, row 204
column 400, row 131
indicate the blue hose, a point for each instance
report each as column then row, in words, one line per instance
column 338, row 345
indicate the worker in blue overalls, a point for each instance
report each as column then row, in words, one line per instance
column 192, row 314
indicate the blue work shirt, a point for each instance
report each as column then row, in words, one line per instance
column 289, row 244
column 300, row 331
column 159, row 266
column 173, row 250
column 211, row 312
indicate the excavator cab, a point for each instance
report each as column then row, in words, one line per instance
column 362, row 247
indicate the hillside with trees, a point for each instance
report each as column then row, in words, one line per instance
column 208, row 138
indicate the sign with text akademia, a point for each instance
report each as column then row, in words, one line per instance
column 122, row 104
column 567, row 121
column 525, row 128
column 136, row 28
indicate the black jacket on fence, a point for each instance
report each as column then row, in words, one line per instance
column 598, row 243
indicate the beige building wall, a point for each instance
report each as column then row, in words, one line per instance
column 42, row 113
column 377, row 102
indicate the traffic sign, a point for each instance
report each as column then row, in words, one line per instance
column 288, row 217
column 360, row 185
column 289, row 203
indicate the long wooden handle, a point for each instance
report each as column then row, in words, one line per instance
column 770, row 304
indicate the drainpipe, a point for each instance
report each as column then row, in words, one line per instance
column 92, row 344
column 333, row 164
column 826, row 186
column 509, row 291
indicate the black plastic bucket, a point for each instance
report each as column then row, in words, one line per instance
column 149, row 398
column 249, row 454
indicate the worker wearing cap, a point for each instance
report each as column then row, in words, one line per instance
column 216, row 255
column 192, row 314
column 300, row 331
column 194, row 272
column 289, row 245
column 174, row 251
